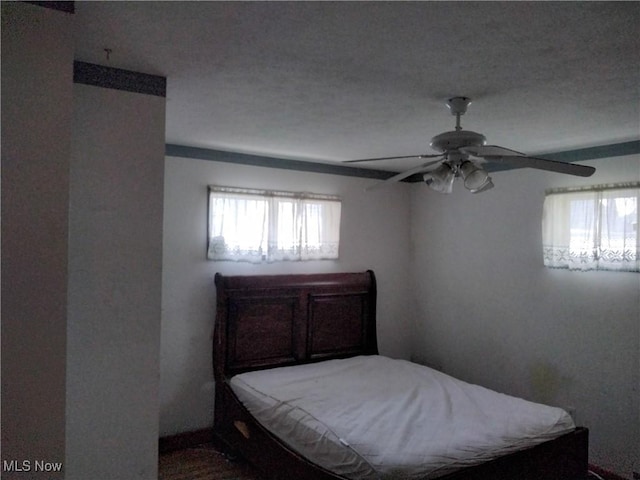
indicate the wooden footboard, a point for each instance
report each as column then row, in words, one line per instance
column 564, row 458
column 238, row 430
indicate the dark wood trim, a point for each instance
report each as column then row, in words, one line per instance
column 184, row 440
column 67, row 7
column 119, row 79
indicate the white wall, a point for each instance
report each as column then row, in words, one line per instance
column 37, row 56
column 490, row 312
column 374, row 235
column 115, row 262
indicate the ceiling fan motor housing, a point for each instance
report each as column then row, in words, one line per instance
column 455, row 139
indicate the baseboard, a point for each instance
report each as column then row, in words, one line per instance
column 184, row 440
column 607, row 475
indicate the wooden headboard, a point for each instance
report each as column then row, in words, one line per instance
column 277, row 320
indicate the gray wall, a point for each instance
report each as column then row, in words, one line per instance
column 37, row 56
column 490, row 313
column 115, row 272
column 374, row 235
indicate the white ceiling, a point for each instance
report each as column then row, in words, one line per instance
column 331, row 81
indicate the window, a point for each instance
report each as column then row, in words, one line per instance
column 266, row 226
column 593, row 228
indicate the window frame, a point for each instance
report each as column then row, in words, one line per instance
column 594, row 248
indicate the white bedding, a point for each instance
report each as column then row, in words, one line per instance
column 372, row 417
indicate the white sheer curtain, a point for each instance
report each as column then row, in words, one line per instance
column 595, row 228
column 265, row 226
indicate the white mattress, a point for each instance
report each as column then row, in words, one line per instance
column 372, row 417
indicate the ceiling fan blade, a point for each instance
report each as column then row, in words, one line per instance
column 490, row 151
column 550, row 165
column 405, row 174
column 390, row 158
column 494, row 153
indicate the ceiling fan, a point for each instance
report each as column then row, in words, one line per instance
column 462, row 153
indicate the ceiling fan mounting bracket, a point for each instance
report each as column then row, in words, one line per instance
column 458, row 105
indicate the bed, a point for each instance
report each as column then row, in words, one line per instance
column 299, row 395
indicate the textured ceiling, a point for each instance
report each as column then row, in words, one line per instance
column 331, row 81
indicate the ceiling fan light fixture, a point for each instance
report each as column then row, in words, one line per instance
column 474, row 176
column 441, row 179
column 488, row 185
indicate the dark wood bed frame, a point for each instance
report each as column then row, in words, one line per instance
column 279, row 320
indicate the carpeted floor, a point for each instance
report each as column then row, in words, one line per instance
column 203, row 462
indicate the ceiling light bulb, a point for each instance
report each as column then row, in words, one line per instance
column 442, row 179
column 474, row 176
column 488, row 185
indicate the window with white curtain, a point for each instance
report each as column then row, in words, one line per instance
column 594, row 228
column 268, row 226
